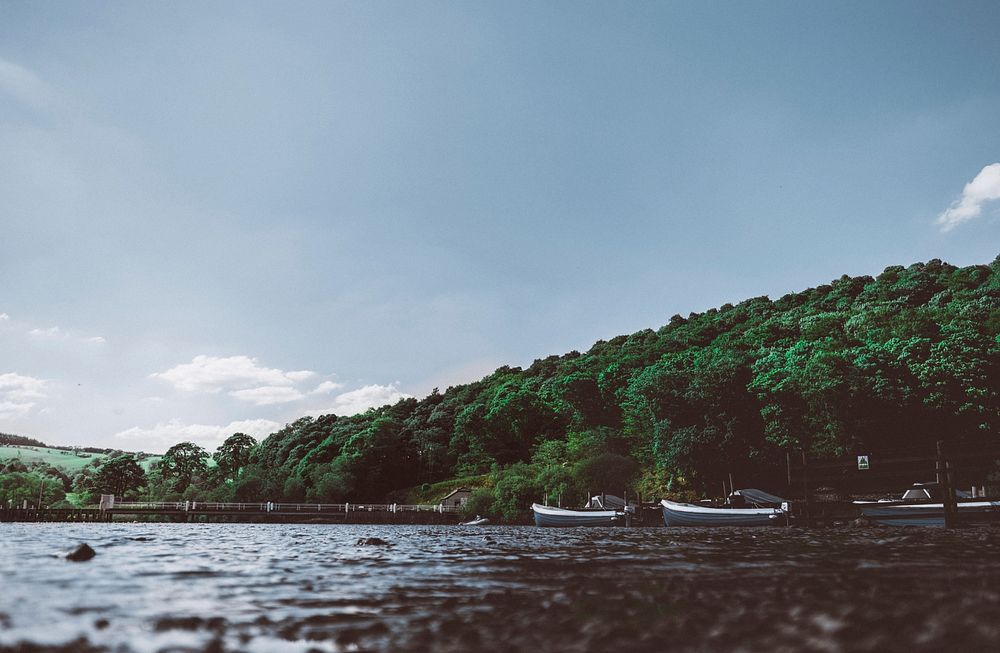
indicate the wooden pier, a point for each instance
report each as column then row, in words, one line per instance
column 262, row 512
column 54, row 514
column 822, row 490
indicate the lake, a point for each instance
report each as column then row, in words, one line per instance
column 308, row 588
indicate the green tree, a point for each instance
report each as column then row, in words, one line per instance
column 182, row 463
column 606, row 472
column 18, row 487
column 119, row 475
column 234, row 454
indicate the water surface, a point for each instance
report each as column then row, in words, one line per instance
column 176, row 588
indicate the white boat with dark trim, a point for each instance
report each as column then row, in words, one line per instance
column 551, row 516
column 747, row 507
column 922, row 505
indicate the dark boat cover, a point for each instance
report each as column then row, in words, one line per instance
column 606, row 502
column 759, row 498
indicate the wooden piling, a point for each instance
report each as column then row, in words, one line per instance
column 805, row 488
column 946, row 483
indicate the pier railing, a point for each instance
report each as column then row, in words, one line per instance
column 275, row 507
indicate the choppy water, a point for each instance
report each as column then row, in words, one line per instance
column 306, row 588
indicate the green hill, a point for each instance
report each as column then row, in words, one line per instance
column 874, row 363
column 69, row 461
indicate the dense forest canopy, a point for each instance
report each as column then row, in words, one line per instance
column 873, row 364
column 861, row 364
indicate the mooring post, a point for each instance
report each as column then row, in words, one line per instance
column 946, row 483
column 805, row 488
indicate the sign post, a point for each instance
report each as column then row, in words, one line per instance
column 863, row 462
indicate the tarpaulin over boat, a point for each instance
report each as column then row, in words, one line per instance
column 759, row 498
column 607, row 502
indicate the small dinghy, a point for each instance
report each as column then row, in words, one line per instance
column 747, row 507
column 923, row 505
column 478, row 521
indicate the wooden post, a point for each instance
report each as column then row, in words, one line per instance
column 950, row 500
column 945, row 480
column 628, row 515
column 805, row 488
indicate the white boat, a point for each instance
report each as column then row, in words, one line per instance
column 922, row 505
column 478, row 521
column 687, row 514
column 550, row 516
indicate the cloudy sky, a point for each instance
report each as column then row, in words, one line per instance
column 220, row 217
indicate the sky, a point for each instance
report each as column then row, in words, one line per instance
column 220, row 217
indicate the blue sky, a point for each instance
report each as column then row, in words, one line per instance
column 224, row 216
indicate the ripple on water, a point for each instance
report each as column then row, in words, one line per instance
column 233, row 587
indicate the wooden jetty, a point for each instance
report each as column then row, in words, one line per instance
column 263, row 512
column 53, row 514
column 822, row 489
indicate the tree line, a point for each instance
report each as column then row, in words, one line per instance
column 873, row 364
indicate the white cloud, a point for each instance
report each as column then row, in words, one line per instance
column 26, row 87
column 4, row 317
column 984, row 188
column 326, row 387
column 360, row 400
column 18, row 394
column 51, row 332
column 166, row 434
column 213, row 374
column 56, row 333
column 268, row 395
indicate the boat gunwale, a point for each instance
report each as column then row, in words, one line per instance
column 704, row 510
column 925, row 506
column 551, row 510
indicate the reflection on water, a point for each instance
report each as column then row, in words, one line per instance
column 242, row 587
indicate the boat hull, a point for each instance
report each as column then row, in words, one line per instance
column 684, row 514
column 891, row 513
column 562, row 518
column 476, row 522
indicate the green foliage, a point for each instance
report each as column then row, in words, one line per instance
column 880, row 364
column 19, row 487
column 480, row 503
column 514, row 490
column 606, row 472
column 181, row 464
column 68, row 460
column 119, row 476
column 234, row 454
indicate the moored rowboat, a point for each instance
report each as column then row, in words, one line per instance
column 686, row 514
column 549, row 516
column 921, row 505
column 893, row 513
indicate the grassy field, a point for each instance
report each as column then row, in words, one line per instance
column 68, row 461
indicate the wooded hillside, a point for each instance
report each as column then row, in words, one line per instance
column 872, row 364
